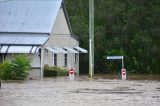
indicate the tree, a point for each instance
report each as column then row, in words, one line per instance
column 131, row 26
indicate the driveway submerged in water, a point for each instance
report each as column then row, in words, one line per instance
column 80, row 92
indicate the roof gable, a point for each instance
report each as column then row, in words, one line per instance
column 37, row 16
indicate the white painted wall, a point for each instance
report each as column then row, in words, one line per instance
column 61, row 37
column 35, row 59
column 60, row 25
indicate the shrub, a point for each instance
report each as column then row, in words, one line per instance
column 55, row 71
column 5, row 68
column 18, row 69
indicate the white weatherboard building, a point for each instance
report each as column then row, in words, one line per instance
column 41, row 29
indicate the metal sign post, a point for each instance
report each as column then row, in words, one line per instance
column 123, row 71
column 122, row 63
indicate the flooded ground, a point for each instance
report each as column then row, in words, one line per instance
column 81, row 92
column 130, row 76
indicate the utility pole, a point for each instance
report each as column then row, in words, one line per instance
column 91, row 38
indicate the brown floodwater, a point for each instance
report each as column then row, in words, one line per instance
column 103, row 90
column 130, row 76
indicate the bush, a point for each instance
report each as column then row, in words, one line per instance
column 18, row 69
column 55, row 71
column 5, row 69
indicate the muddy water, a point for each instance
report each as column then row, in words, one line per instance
column 130, row 76
column 80, row 92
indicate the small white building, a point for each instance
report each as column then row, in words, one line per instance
column 41, row 29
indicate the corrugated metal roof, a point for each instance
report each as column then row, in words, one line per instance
column 61, row 50
column 28, row 15
column 52, row 50
column 23, row 39
column 70, row 50
column 3, row 49
column 80, row 49
column 19, row 49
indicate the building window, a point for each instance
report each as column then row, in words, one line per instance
column 65, row 59
column 55, row 59
column 75, row 58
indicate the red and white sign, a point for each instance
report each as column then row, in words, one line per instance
column 123, row 73
column 71, row 73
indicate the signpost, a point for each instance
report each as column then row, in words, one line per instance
column 123, row 71
column 116, row 57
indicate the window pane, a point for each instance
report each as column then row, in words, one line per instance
column 75, row 58
column 65, row 59
column 55, row 59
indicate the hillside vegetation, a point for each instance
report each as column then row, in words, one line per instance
column 122, row 27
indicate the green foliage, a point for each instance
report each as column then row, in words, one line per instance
column 55, row 71
column 78, row 14
column 5, row 69
column 129, row 27
column 21, row 66
column 18, row 69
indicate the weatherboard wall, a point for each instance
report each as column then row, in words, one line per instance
column 61, row 37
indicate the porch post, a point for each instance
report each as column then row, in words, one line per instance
column 42, row 61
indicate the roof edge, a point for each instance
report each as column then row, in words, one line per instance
column 25, row 33
column 68, row 21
